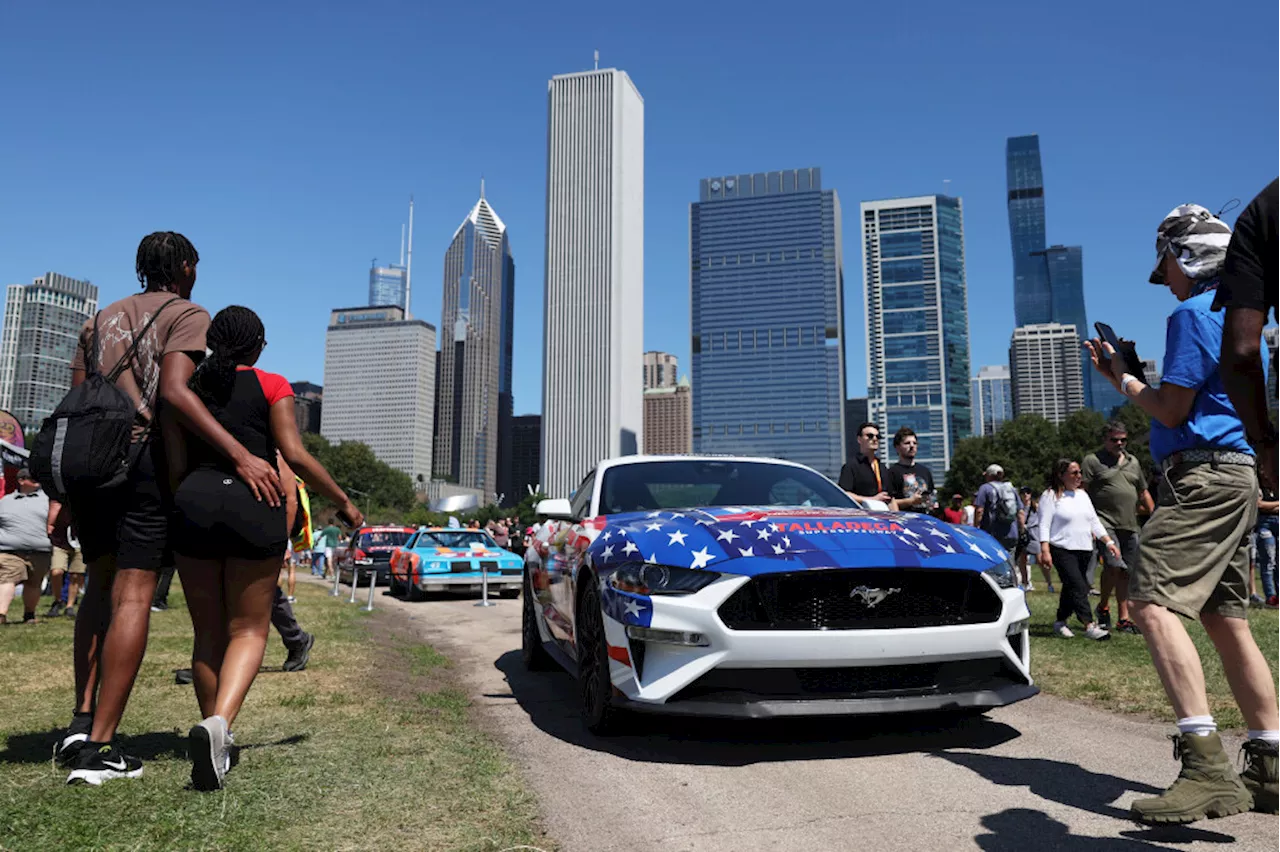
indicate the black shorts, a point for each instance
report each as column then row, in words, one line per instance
column 130, row 520
column 217, row 517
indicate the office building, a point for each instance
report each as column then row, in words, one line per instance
column 1048, row 283
column 386, row 285
column 593, row 340
column 660, row 370
column 992, row 393
column 379, row 377
column 668, row 420
column 768, row 320
column 1032, row 302
column 917, row 321
column 474, row 411
column 42, row 323
column 526, row 457
column 307, row 401
column 1269, row 336
column 855, row 414
column 1044, row 364
column 1151, row 367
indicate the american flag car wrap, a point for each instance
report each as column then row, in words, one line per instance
column 757, row 541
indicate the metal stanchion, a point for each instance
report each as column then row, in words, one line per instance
column 335, row 592
column 484, row 586
column 355, row 581
column 373, row 581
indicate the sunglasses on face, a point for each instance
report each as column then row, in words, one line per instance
column 871, row 437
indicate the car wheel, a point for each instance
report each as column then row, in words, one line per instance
column 532, row 654
column 509, row 594
column 595, row 689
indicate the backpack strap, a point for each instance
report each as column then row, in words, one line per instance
column 126, row 360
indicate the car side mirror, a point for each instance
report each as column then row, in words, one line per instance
column 557, row 508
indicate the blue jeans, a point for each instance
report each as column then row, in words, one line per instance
column 317, row 564
column 1265, row 535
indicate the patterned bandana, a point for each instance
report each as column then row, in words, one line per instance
column 1198, row 240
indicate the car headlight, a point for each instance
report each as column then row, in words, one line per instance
column 1003, row 574
column 644, row 578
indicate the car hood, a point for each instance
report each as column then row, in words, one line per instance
column 763, row 540
column 464, row 553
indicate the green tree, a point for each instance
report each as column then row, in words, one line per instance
column 1026, row 447
column 1081, row 434
column 383, row 493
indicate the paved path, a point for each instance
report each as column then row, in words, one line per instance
column 1044, row 774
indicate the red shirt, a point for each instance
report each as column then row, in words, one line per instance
column 953, row 516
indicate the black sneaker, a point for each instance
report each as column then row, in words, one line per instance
column 56, row 610
column 69, row 612
column 182, row 676
column 99, row 762
column 1104, row 617
column 73, row 739
column 298, row 657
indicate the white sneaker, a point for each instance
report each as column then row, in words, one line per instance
column 208, row 749
column 1030, row 587
column 1093, row 631
column 1060, row 627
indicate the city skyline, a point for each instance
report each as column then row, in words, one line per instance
column 287, row 218
column 766, row 298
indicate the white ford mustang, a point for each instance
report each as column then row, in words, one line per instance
column 756, row 588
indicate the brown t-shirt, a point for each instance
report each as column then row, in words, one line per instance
column 181, row 327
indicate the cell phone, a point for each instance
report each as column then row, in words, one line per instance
column 1124, row 349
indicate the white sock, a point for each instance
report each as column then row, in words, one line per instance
column 1272, row 737
column 1201, row 726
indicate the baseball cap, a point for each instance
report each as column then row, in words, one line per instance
column 25, row 473
column 1196, row 238
column 995, row 470
column 957, row 496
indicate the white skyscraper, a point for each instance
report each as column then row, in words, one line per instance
column 592, row 393
column 992, row 394
column 1046, row 371
column 379, row 386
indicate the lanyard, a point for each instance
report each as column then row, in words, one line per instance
column 875, row 465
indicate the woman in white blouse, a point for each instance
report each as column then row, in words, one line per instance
column 1068, row 527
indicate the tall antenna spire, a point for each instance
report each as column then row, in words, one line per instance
column 408, row 266
column 597, row 58
column 482, row 187
column 402, row 246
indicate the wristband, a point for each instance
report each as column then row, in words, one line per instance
column 1125, row 381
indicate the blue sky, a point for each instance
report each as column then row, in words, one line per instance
column 285, row 139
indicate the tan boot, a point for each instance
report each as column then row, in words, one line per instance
column 1207, row 786
column 1259, row 775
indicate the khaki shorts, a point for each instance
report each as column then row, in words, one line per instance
column 66, row 559
column 23, row 567
column 1195, row 555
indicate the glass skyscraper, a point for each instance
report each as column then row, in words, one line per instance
column 1048, row 283
column 992, row 399
column 917, row 322
column 386, row 286
column 767, row 282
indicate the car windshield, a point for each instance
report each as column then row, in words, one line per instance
column 686, row 484
column 455, row 538
column 390, row 538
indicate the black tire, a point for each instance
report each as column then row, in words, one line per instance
column 532, row 654
column 595, row 689
column 509, row 594
column 395, row 590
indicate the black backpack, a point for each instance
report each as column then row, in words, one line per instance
column 86, row 444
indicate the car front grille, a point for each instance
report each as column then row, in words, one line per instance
column 957, row 676
column 861, row 599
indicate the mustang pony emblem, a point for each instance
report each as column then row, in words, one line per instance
column 871, row 597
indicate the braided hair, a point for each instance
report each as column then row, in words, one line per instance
column 235, row 336
column 161, row 257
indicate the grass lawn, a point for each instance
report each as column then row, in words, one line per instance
column 372, row 747
column 1118, row 674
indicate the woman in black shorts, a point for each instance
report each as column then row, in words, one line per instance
column 229, row 544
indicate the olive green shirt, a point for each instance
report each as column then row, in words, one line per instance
column 1114, row 489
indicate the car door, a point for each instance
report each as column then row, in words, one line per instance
column 563, row 560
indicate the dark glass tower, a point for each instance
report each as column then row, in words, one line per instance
column 768, row 320
column 1048, row 283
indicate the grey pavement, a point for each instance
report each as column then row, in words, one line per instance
column 1044, row 774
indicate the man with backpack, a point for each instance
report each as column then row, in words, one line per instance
column 101, row 455
column 997, row 509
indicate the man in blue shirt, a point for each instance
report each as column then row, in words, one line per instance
column 1194, row 557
